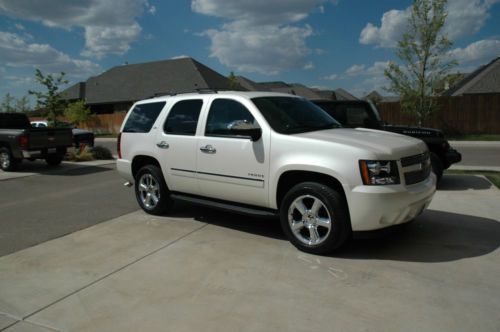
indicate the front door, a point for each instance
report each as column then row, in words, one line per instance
column 229, row 167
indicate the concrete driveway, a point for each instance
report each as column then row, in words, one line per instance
column 204, row 270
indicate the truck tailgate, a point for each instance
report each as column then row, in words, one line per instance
column 41, row 138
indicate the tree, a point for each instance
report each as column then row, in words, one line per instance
column 23, row 105
column 50, row 100
column 423, row 51
column 233, row 82
column 77, row 112
column 7, row 104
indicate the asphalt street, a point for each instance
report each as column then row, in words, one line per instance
column 38, row 208
column 479, row 154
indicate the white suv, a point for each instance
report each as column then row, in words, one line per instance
column 273, row 154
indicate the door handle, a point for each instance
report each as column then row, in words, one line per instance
column 208, row 149
column 163, row 145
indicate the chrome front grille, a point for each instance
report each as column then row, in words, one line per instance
column 416, row 168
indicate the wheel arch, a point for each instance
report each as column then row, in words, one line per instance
column 290, row 178
column 142, row 160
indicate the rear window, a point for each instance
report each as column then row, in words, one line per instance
column 14, row 121
column 143, row 117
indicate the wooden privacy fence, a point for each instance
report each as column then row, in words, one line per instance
column 105, row 123
column 470, row 114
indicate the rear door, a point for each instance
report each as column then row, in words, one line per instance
column 232, row 168
column 177, row 145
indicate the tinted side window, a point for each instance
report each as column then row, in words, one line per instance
column 224, row 112
column 142, row 117
column 183, row 117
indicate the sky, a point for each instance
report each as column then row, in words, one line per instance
column 327, row 44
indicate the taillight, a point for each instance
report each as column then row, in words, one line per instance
column 118, row 146
column 445, row 146
column 23, row 141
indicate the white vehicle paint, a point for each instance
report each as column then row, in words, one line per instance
column 349, row 189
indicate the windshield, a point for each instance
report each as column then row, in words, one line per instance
column 290, row 115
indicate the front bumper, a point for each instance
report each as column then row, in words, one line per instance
column 377, row 207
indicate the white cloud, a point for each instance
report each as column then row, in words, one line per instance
column 477, row 52
column 263, row 49
column 392, row 27
column 331, row 77
column 465, row 17
column 355, row 70
column 309, row 66
column 179, row 57
column 257, row 12
column 261, row 35
column 15, row 51
column 110, row 25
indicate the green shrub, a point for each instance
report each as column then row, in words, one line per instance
column 77, row 155
column 101, row 153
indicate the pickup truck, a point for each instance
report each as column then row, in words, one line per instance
column 361, row 114
column 19, row 140
column 80, row 136
column 273, row 154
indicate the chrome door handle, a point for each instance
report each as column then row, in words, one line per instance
column 163, row 145
column 208, row 149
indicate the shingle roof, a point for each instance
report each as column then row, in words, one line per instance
column 485, row 79
column 279, row 86
column 139, row 81
column 76, row 91
column 342, row 94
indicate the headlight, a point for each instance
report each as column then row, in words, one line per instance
column 379, row 172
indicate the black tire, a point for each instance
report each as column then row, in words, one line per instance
column 333, row 206
column 7, row 162
column 437, row 166
column 154, row 198
column 54, row 159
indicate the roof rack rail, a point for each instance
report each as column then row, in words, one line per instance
column 197, row 90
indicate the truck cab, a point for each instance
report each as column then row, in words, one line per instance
column 362, row 114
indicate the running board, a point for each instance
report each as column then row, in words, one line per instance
column 247, row 210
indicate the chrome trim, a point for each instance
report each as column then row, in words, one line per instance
column 208, row 149
column 163, row 145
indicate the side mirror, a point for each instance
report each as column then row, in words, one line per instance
column 244, row 129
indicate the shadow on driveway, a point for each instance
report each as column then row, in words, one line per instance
column 435, row 236
column 27, row 168
column 457, row 182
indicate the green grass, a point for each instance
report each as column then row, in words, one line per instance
column 475, row 137
column 494, row 177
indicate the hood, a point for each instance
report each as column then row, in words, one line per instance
column 414, row 131
column 384, row 144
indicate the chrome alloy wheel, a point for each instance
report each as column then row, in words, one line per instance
column 149, row 191
column 309, row 220
column 5, row 160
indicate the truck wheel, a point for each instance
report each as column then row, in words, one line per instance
column 315, row 218
column 54, row 159
column 151, row 191
column 7, row 162
column 437, row 166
